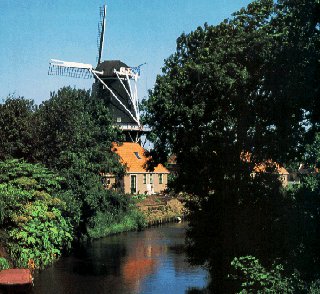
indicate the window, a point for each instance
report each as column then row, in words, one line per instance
column 151, row 178
column 106, row 182
column 144, row 178
column 133, row 184
column 160, row 179
column 137, row 155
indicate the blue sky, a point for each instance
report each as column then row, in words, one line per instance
column 138, row 31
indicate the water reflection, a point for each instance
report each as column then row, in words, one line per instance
column 152, row 261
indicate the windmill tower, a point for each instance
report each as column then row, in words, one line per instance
column 115, row 82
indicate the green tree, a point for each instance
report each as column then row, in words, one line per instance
column 16, row 128
column 76, row 136
column 70, row 133
column 249, row 84
column 74, row 129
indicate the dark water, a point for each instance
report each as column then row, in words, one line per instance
column 152, row 261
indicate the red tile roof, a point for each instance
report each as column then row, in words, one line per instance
column 262, row 167
column 127, row 152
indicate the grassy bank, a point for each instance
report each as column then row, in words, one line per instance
column 148, row 210
column 105, row 224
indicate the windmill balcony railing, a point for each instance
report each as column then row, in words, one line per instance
column 131, row 127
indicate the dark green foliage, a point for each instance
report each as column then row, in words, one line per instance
column 114, row 221
column 75, row 130
column 256, row 279
column 231, row 88
column 115, row 213
column 32, row 213
column 100, row 212
column 249, row 84
column 312, row 152
column 16, row 128
column 3, row 264
column 72, row 134
column 77, row 134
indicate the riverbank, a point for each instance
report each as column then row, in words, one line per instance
column 146, row 211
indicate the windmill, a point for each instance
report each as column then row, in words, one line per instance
column 115, row 82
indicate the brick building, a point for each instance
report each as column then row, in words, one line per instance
column 139, row 179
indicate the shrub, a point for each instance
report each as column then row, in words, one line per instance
column 108, row 223
column 4, row 264
column 41, row 235
column 255, row 278
column 31, row 214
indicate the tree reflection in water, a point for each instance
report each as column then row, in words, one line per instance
column 151, row 261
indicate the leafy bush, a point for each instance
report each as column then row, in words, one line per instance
column 31, row 215
column 4, row 264
column 139, row 197
column 257, row 279
column 41, row 235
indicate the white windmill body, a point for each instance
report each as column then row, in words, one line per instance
column 115, row 82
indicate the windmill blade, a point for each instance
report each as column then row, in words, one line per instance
column 101, row 29
column 70, row 69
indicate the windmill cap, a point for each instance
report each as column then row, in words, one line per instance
column 108, row 67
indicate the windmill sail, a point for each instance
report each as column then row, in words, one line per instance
column 70, row 69
column 101, row 29
column 84, row 70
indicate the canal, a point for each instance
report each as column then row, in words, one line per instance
column 151, row 261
